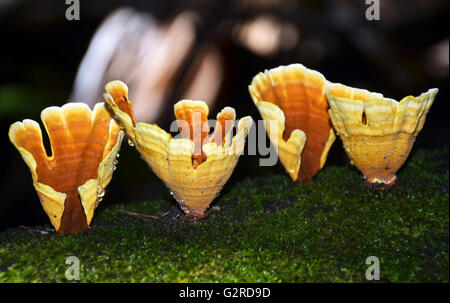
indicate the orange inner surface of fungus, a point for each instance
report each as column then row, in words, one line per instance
column 120, row 99
column 196, row 116
column 303, row 102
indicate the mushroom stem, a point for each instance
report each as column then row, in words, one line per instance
column 195, row 216
column 381, row 182
column 194, row 213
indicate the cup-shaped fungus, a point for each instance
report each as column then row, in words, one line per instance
column 194, row 167
column 71, row 182
column 291, row 99
column 377, row 132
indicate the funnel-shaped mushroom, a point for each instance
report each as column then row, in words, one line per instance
column 194, row 167
column 377, row 132
column 71, row 182
column 294, row 97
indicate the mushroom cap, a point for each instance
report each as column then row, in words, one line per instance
column 194, row 166
column 294, row 97
column 377, row 132
column 71, row 181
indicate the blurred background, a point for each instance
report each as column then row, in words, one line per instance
column 208, row 50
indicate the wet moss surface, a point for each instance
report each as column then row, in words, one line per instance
column 263, row 229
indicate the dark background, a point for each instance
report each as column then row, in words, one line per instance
column 40, row 52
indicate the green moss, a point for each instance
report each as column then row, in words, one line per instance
column 263, row 229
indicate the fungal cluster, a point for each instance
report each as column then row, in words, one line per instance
column 304, row 113
column 377, row 132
